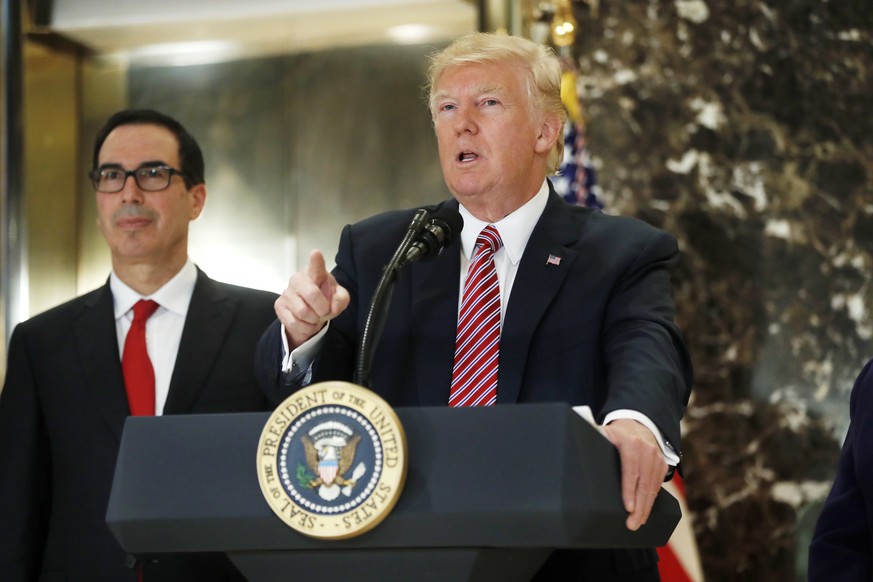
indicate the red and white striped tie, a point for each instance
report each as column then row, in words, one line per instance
column 477, row 349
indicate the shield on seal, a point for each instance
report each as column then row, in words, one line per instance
column 327, row 470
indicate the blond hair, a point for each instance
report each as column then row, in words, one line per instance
column 540, row 62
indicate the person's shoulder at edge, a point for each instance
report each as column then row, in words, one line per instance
column 862, row 389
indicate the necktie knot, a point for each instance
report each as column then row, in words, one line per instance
column 489, row 240
column 143, row 309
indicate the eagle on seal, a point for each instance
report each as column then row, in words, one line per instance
column 330, row 462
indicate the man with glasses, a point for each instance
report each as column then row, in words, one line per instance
column 77, row 371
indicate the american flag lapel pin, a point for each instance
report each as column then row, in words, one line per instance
column 553, row 260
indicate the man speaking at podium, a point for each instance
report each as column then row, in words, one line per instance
column 535, row 300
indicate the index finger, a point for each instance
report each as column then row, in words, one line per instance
column 316, row 270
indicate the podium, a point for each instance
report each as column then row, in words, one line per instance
column 490, row 493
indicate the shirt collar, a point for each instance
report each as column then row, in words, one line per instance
column 174, row 296
column 515, row 228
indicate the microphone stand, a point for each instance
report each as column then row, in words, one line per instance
column 382, row 297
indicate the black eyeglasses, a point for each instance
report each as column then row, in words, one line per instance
column 148, row 178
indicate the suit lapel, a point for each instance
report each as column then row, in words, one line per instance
column 537, row 282
column 435, row 288
column 209, row 317
column 97, row 344
column 435, row 315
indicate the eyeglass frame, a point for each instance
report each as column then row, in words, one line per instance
column 94, row 175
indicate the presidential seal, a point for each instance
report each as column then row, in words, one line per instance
column 332, row 460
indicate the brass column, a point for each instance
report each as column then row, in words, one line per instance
column 13, row 234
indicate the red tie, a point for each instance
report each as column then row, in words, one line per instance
column 474, row 376
column 139, row 376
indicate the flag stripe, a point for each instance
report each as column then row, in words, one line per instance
column 680, row 560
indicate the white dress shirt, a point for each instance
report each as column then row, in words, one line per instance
column 163, row 328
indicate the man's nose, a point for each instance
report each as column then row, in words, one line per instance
column 465, row 121
column 131, row 192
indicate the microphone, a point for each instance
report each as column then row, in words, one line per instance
column 437, row 234
column 425, row 238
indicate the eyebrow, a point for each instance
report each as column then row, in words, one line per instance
column 148, row 164
column 479, row 90
column 489, row 89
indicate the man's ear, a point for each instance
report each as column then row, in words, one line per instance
column 551, row 129
column 198, row 200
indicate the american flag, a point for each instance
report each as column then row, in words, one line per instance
column 576, row 181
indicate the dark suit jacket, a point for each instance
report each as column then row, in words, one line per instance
column 842, row 545
column 595, row 329
column 62, row 410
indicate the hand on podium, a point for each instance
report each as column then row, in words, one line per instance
column 642, row 464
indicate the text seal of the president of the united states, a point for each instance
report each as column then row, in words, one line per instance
column 332, row 460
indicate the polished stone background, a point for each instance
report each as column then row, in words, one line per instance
column 743, row 127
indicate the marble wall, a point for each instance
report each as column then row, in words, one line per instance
column 743, row 127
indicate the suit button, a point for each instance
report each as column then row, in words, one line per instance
column 130, row 561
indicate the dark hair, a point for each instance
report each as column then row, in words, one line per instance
column 190, row 156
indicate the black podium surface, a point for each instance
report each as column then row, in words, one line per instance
column 489, row 493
